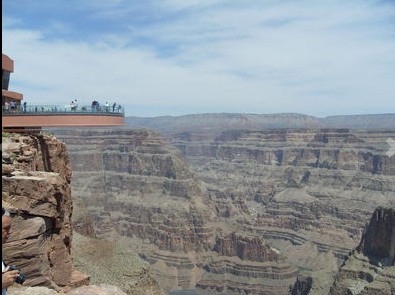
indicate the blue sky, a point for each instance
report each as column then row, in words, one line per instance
column 176, row 57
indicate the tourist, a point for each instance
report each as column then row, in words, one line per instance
column 113, row 107
column 12, row 105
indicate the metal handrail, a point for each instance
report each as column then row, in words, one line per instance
column 20, row 110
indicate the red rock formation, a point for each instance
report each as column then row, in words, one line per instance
column 36, row 179
column 37, row 188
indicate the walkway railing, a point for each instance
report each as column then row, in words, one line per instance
column 62, row 110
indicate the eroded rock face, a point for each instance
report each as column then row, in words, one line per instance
column 313, row 283
column 378, row 241
column 370, row 268
column 139, row 187
column 307, row 194
column 36, row 186
column 302, row 286
column 245, row 248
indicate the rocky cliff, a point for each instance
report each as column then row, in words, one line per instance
column 370, row 268
column 378, row 242
column 36, row 178
column 235, row 211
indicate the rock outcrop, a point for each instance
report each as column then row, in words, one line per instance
column 36, row 186
column 36, row 178
column 312, row 283
column 302, row 286
column 245, row 248
column 378, row 242
column 370, row 268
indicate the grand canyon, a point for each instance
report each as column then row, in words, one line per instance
column 229, row 209
column 302, row 206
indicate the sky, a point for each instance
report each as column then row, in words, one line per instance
column 178, row 57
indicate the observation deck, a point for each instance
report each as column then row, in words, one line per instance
column 20, row 117
column 37, row 116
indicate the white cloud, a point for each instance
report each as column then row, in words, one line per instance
column 317, row 58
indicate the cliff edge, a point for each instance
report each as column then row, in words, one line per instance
column 368, row 270
column 36, row 178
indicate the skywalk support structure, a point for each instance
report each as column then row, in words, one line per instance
column 19, row 117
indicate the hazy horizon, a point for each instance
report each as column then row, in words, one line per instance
column 175, row 57
column 264, row 114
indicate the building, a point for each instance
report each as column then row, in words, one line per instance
column 19, row 116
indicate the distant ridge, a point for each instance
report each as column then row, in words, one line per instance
column 216, row 122
column 379, row 121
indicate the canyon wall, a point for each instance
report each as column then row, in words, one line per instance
column 238, row 211
column 36, row 188
column 369, row 269
column 309, row 193
column 36, row 179
column 136, row 185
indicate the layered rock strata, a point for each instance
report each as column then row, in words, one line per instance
column 308, row 192
column 203, row 124
column 378, row 241
column 312, row 283
column 370, row 268
column 36, row 179
column 304, row 194
column 134, row 184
